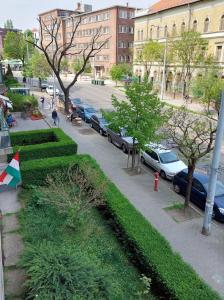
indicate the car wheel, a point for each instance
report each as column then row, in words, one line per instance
column 176, row 188
column 142, row 160
column 109, row 139
column 101, row 132
column 163, row 174
column 124, row 148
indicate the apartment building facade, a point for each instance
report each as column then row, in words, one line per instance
column 169, row 19
column 116, row 25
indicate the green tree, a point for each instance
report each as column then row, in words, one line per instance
column 38, row 67
column 16, row 47
column 8, row 24
column 141, row 116
column 151, row 52
column 190, row 52
column 117, row 72
column 77, row 63
column 208, row 88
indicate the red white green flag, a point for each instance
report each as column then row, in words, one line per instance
column 11, row 176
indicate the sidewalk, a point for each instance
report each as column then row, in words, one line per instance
column 204, row 254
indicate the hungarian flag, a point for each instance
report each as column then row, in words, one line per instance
column 11, row 175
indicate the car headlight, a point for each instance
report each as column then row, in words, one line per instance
column 221, row 210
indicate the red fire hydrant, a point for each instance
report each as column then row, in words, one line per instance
column 156, row 181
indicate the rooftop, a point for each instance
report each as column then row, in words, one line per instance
column 163, row 5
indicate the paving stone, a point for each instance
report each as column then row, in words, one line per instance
column 10, row 223
column 12, row 248
column 9, row 201
column 14, row 285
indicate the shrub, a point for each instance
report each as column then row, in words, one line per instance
column 39, row 144
column 22, row 103
column 59, row 272
column 176, row 278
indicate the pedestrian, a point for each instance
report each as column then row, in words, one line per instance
column 55, row 116
column 24, row 81
column 74, row 113
column 42, row 99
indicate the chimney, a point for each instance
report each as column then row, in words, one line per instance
column 127, row 4
column 78, row 6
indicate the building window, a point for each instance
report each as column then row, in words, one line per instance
column 206, row 25
column 130, row 44
column 183, row 26
column 106, row 16
column 174, row 30
column 151, row 33
column 157, row 32
column 165, row 31
column 142, row 35
column 218, row 53
column 123, row 14
column 131, row 14
column 121, row 44
column 221, row 27
column 121, row 58
column 195, row 25
column 123, row 29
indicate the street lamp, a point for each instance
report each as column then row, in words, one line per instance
column 164, row 61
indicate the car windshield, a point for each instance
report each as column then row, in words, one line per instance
column 90, row 110
column 168, row 157
column 219, row 191
column 102, row 121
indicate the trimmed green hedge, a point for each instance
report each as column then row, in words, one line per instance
column 176, row 278
column 38, row 144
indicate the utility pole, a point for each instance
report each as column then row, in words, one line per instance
column 164, row 68
column 206, row 229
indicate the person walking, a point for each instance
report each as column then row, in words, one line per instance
column 42, row 99
column 55, row 116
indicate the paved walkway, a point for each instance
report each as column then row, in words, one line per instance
column 205, row 254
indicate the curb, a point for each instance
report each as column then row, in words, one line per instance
column 2, row 293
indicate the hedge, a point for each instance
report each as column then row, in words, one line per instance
column 176, row 278
column 21, row 102
column 38, row 144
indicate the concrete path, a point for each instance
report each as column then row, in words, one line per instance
column 12, row 245
column 204, row 254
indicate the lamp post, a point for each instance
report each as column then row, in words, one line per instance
column 164, row 61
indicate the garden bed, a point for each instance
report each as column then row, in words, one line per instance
column 38, row 144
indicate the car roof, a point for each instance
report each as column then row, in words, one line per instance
column 203, row 178
column 84, row 105
column 158, row 148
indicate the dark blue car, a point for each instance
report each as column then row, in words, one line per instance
column 199, row 192
column 85, row 112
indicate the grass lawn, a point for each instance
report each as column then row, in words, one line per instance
column 91, row 240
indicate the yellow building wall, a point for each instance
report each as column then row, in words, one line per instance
column 213, row 10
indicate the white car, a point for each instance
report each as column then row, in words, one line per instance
column 50, row 90
column 165, row 161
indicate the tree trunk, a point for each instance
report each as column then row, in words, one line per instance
column 67, row 101
column 191, row 168
column 39, row 82
column 133, row 154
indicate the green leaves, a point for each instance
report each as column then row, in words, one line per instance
column 118, row 71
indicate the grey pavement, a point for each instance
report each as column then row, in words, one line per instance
column 204, row 254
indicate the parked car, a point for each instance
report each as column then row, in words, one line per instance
column 99, row 123
column 120, row 139
column 75, row 101
column 199, row 192
column 85, row 112
column 165, row 161
column 43, row 85
column 50, row 90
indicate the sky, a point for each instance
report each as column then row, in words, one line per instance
column 24, row 12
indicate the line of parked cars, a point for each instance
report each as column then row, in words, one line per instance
column 158, row 157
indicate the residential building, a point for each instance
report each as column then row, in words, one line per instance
column 115, row 23
column 169, row 19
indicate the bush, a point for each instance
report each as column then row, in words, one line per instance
column 175, row 278
column 22, row 103
column 58, row 272
column 37, row 144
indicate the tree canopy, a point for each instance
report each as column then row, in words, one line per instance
column 8, row 24
column 118, row 71
column 141, row 116
column 38, row 66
